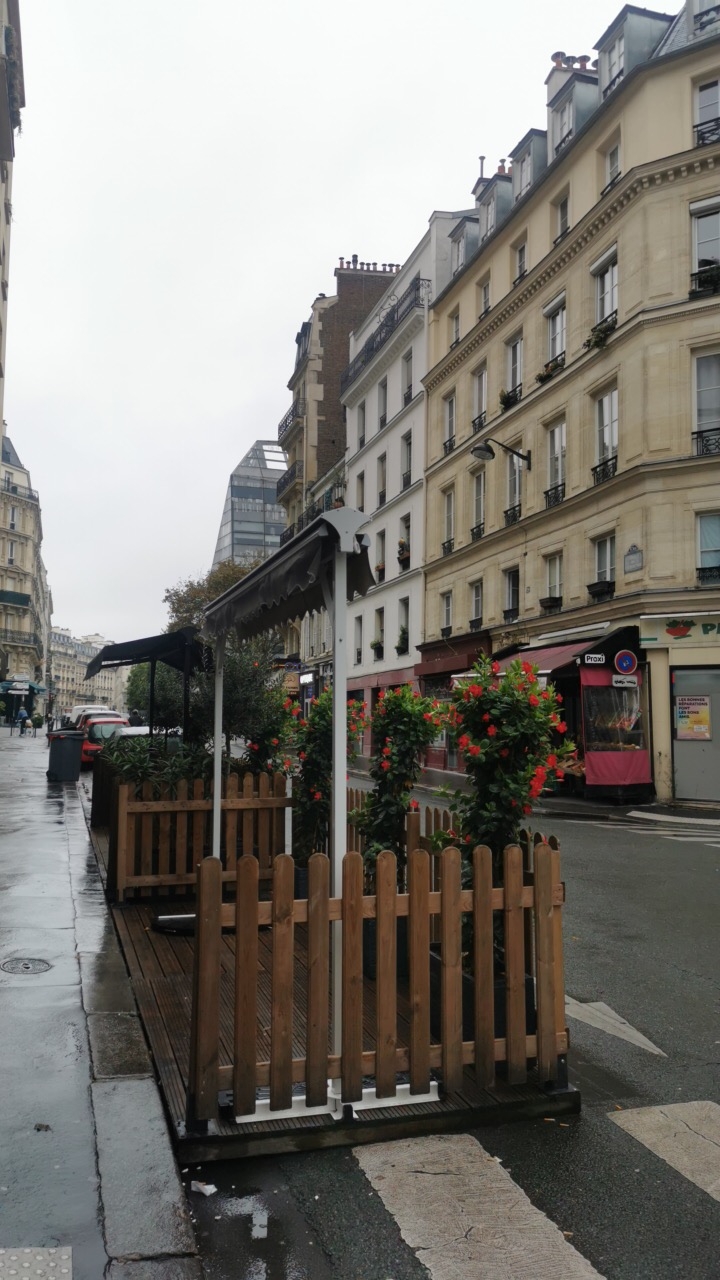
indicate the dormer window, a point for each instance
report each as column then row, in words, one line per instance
column 487, row 217
column 563, row 124
column 458, row 253
column 613, row 61
column 525, row 174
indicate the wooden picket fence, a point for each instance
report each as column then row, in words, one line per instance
column 307, row 1026
column 158, row 838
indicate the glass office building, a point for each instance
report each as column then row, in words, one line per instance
column 252, row 520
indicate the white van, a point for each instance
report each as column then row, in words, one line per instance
column 79, row 711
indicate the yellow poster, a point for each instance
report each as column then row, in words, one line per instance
column 692, row 718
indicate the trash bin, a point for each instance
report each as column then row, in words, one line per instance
column 65, row 753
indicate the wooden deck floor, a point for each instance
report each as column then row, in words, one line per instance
column 160, row 966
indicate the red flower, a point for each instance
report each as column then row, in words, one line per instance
column 317, row 795
column 534, row 700
column 492, row 730
column 474, row 749
column 486, row 717
column 475, row 690
column 386, row 751
column 558, row 697
column 296, row 710
column 551, row 761
column 253, row 746
column 559, row 773
column 528, row 669
column 385, row 764
column 527, row 808
column 463, row 741
column 495, row 668
column 274, row 741
column 468, row 839
column 545, row 694
column 287, row 764
column 504, row 752
column 414, row 804
column 287, row 704
column 301, row 755
column 562, row 727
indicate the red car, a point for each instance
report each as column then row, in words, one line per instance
column 97, row 733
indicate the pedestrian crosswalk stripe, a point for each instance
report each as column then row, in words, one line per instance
column 686, row 1135
column 463, row 1214
column 597, row 1014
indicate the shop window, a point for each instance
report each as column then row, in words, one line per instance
column 613, row 718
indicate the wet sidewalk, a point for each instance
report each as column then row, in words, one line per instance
column 88, row 1180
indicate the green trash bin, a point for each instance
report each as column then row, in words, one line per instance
column 65, row 754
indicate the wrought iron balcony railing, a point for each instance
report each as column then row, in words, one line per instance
column 294, row 414
column 477, row 532
column 705, row 281
column 25, row 639
column 406, row 479
column 287, row 534
column 561, row 236
column 448, row 445
column 706, row 17
column 478, row 423
column 563, row 141
column 293, row 473
column 382, row 494
column 513, row 514
column 520, row 277
column 448, row 546
column 413, row 297
column 511, row 615
column 18, row 490
column 707, row 133
column 605, row 470
column 446, row 632
column 612, row 84
column 709, row 575
column 476, row 624
column 555, row 495
column 609, row 185
column 707, row 443
column 511, row 397
column 407, row 395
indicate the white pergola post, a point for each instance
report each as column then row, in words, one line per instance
column 217, row 745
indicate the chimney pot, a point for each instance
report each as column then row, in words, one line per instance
column 354, row 261
column 584, row 60
column 482, row 166
column 342, row 263
column 374, row 266
column 557, row 58
column 501, row 166
column 384, row 266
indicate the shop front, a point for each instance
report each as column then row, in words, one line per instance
column 684, row 658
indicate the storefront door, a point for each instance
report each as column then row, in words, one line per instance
column 696, row 732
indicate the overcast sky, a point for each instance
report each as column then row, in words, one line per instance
column 187, row 177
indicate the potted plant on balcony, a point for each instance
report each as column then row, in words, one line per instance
column 402, row 640
column 508, row 398
column 599, row 334
column 403, row 550
column 377, row 646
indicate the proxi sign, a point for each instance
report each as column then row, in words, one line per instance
column 595, row 659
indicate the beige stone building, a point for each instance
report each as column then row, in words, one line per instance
column 25, row 599
column 581, row 342
column 69, row 657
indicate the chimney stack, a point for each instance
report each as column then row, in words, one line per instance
column 557, row 59
column 501, row 166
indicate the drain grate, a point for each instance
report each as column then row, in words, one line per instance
column 46, row 1263
column 22, row 964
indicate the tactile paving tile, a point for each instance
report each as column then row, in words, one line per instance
column 44, row 1263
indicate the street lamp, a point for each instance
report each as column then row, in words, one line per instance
column 485, row 452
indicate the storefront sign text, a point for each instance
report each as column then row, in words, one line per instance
column 624, row 682
column 692, row 717
column 595, row 659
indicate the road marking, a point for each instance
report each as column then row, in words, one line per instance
column 599, row 1015
column 675, row 820
column 686, row 1135
column 464, row 1216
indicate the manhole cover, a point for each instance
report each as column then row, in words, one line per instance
column 36, row 1262
column 24, row 965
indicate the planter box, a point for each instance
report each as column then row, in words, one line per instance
column 370, row 950
column 468, row 1002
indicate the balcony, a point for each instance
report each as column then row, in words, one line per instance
column 603, row 590
column 378, row 649
column 707, row 443
column 613, row 84
column 511, row 397
column 563, row 141
column 552, row 367
column 477, row 532
column 407, row 395
column 478, row 423
column 287, row 534
column 513, row 514
column 609, row 185
column 555, row 495
column 562, row 236
column 706, row 17
column 600, row 332
column 707, row 133
column 446, row 632
column 706, row 281
column 404, row 554
column 406, row 479
column 709, row 576
column 380, row 571
column 550, row 604
column 25, row 639
column 604, row 470
column 476, row 624
column 293, row 473
column 382, row 422
column 448, row 546
column 413, row 297
column 382, row 494
column 358, row 657
column 18, row 598
column 517, row 279
column 295, row 414
column 511, row 615
column 19, row 491
column 455, row 343
column 448, row 445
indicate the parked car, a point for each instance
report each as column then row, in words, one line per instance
column 82, row 709
column 98, row 731
column 87, row 716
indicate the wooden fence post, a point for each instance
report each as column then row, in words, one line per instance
column 246, row 985
column 451, row 969
column 202, row 1096
column 283, row 957
column 386, row 932
column 516, row 1029
column 545, row 964
column 318, row 969
column 484, row 969
column 419, row 994
column 119, row 843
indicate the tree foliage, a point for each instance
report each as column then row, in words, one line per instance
column 187, row 600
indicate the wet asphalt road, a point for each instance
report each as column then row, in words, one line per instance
column 641, row 934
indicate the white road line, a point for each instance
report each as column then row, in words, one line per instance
column 463, row 1214
column 599, row 1015
column 686, row 1135
column 674, row 819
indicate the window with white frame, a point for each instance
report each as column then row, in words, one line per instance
column 557, row 327
column 380, row 554
column 707, row 402
column 606, row 285
column 479, row 396
column 612, row 165
column 449, row 514
column 708, row 536
column 458, row 252
column 403, row 622
column 613, row 63
column 382, row 479
column 361, row 424
column 404, row 539
column 487, row 217
column 476, row 601
column 358, row 640
column 449, row 420
column 521, row 261
column 707, row 113
column 563, row 123
column 706, row 243
column 514, row 466
column 484, row 297
column 407, row 377
column 511, row 579
column 525, row 174
column 11, row 551
column 556, row 454
column 382, row 403
column 406, row 460
column 379, row 626
column 554, row 574
column 13, row 517
column 563, row 216
column 607, row 425
column 478, row 504
column 360, row 491
column 446, row 609
column 515, row 362
column 605, row 558
column 454, row 328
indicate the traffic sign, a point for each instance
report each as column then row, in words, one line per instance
column 626, row 662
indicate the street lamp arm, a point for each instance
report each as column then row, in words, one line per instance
column 484, row 451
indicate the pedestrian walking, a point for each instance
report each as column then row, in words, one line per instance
column 22, row 717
